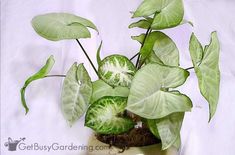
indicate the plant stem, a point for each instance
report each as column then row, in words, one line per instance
column 134, row 56
column 84, row 51
column 138, row 58
column 54, row 76
column 189, row 68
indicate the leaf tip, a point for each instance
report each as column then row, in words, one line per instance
column 26, row 111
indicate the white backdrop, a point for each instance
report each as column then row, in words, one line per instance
column 23, row 52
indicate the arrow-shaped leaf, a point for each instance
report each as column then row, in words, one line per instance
column 148, row 96
column 76, row 93
column 206, row 65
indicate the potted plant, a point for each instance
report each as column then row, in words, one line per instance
column 134, row 103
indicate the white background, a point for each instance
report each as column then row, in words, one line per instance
column 23, row 52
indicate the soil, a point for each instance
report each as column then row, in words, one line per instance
column 136, row 137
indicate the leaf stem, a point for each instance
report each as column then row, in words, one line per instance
column 54, row 76
column 138, row 58
column 134, row 56
column 84, row 51
column 189, row 68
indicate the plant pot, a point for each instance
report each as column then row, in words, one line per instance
column 100, row 148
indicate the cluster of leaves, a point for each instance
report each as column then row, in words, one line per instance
column 147, row 89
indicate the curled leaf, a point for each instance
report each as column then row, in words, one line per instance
column 39, row 75
column 143, row 23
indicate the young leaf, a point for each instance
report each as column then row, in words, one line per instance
column 148, row 97
column 163, row 47
column 206, row 65
column 139, row 38
column 117, row 70
column 39, row 75
column 168, row 129
column 104, row 116
column 76, row 93
column 196, row 50
column 143, row 23
column 98, row 54
column 101, row 89
column 60, row 26
column 167, row 13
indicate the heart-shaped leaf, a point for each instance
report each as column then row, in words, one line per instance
column 60, row 26
column 101, row 89
column 158, row 47
column 40, row 74
column 117, row 70
column 104, row 116
column 167, row 13
column 148, row 96
column 206, row 65
column 76, row 93
column 167, row 129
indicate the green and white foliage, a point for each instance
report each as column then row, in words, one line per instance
column 206, row 66
column 147, row 92
column 117, row 70
column 39, row 75
column 167, row 129
column 101, row 89
column 149, row 97
column 166, row 13
column 105, row 116
column 60, row 26
column 76, row 93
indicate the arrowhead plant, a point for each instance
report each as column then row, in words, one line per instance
column 146, row 87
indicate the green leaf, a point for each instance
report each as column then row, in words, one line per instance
column 101, row 89
column 177, row 143
column 39, row 75
column 167, row 13
column 104, row 116
column 117, row 70
column 143, row 23
column 154, row 59
column 148, row 97
column 76, row 93
column 168, row 129
column 139, row 38
column 196, row 50
column 206, row 65
column 60, row 26
column 98, row 54
column 163, row 47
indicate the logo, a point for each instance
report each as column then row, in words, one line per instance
column 20, row 145
column 12, row 144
